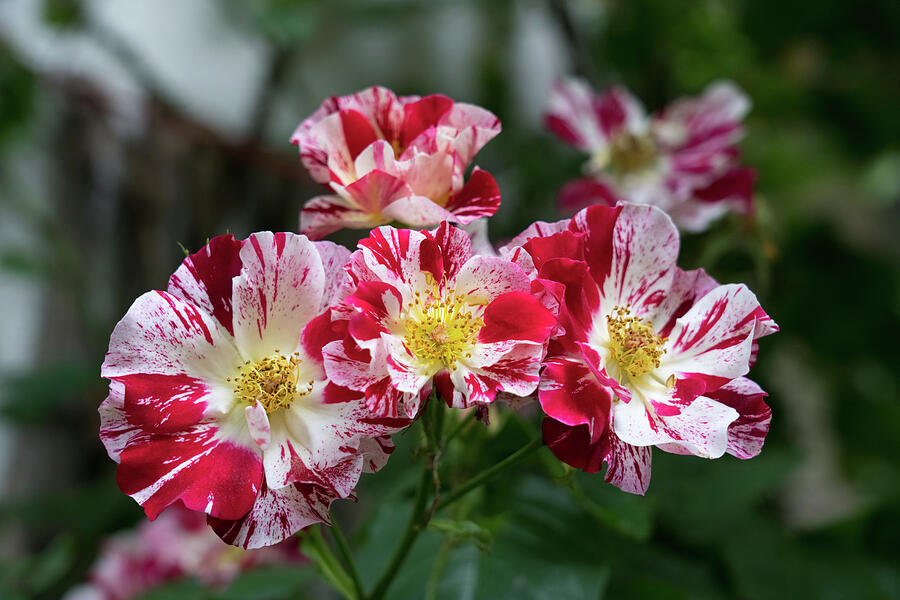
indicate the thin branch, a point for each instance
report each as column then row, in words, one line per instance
column 578, row 52
column 490, row 472
column 329, row 566
column 345, row 552
column 413, row 528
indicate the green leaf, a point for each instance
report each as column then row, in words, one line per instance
column 267, row 583
column 627, row 514
column 53, row 564
column 468, row 531
column 63, row 14
column 183, row 589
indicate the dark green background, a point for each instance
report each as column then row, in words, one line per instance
column 817, row 515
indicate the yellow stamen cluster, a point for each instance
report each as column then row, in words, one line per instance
column 272, row 381
column 634, row 345
column 631, row 153
column 441, row 327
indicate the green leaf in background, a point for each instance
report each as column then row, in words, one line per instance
column 626, row 514
column 463, row 531
column 268, row 583
column 64, row 14
column 19, row 92
column 183, row 589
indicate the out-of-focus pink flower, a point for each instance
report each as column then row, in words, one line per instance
column 683, row 159
column 218, row 396
column 178, row 544
column 649, row 354
column 422, row 310
column 390, row 158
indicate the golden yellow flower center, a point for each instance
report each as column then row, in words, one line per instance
column 272, row 381
column 633, row 344
column 441, row 327
column 631, row 153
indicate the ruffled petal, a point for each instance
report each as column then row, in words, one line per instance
column 326, row 214
column 165, row 335
column 479, row 197
column 747, row 434
column 116, row 432
column 205, row 471
column 715, row 336
column 279, row 291
column 275, row 516
column 570, row 394
column 635, row 266
column 204, row 278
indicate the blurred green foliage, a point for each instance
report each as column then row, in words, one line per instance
column 822, row 252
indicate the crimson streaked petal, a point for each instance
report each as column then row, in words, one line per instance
column 571, row 115
column 204, row 278
column 204, row 471
column 747, row 434
column 571, row 394
column 279, row 291
column 479, row 197
column 715, row 336
column 482, row 279
column 165, row 335
column 644, row 250
column 168, row 403
column 516, row 316
column 629, row 466
column 275, row 516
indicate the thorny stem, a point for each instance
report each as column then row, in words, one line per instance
column 432, row 424
column 490, row 472
column 329, row 565
column 459, row 427
column 413, row 528
column 434, row 441
column 345, row 552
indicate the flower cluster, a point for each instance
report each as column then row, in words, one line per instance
column 683, row 159
column 273, row 370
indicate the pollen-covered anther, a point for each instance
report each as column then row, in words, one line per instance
column 630, row 153
column 634, row 345
column 272, row 381
column 441, row 327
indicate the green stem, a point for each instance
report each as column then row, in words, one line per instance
column 459, row 427
column 490, row 472
column 413, row 528
column 344, row 550
column 331, row 569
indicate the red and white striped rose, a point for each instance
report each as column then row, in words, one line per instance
column 395, row 159
column 218, row 396
column 683, row 159
column 648, row 354
column 422, row 311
